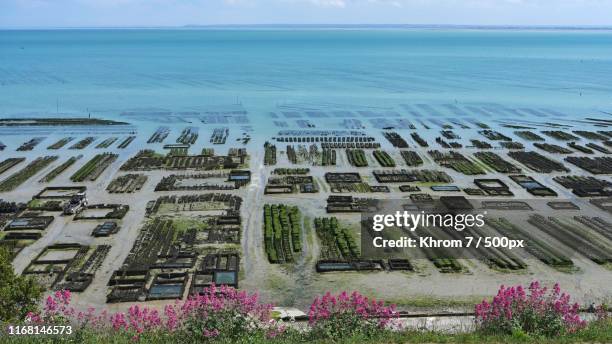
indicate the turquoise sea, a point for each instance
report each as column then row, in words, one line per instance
column 156, row 71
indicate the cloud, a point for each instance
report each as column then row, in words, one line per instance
column 330, row 3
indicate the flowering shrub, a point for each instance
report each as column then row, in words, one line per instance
column 345, row 315
column 56, row 309
column 226, row 315
column 219, row 313
column 223, row 312
column 537, row 311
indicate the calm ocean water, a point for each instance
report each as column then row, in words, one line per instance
column 111, row 71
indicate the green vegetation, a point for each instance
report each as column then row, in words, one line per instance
column 418, row 139
column 127, row 183
column 350, row 187
column 384, row 159
column 497, row 162
column 233, row 317
column 59, row 169
column 147, row 160
column 31, row 144
column 94, row 167
column 126, row 142
column 18, row 295
column 357, row 157
column 291, row 171
column 598, row 332
column 457, row 162
column 83, row 143
column 60, row 143
column 9, row 163
column 270, row 154
column 411, row 158
column 292, row 155
column 207, row 151
column 189, row 136
column 328, row 157
column 447, row 264
column 426, row 302
column 107, row 143
column 282, row 232
column 12, row 182
column 182, row 224
column 336, row 242
column 538, row 248
column 182, row 151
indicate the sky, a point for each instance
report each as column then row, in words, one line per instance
column 96, row 13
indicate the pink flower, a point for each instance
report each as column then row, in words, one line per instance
column 511, row 306
column 50, row 305
column 330, row 307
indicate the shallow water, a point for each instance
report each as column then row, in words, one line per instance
column 415, row 72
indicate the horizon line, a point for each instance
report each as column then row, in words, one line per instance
column 330, row 25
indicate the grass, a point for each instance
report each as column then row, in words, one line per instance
column 35, row 203
column 308, row 232
column 430, row 302
column 599, row 332
column 182, row 224
column 171, row 208
column 595, row 333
